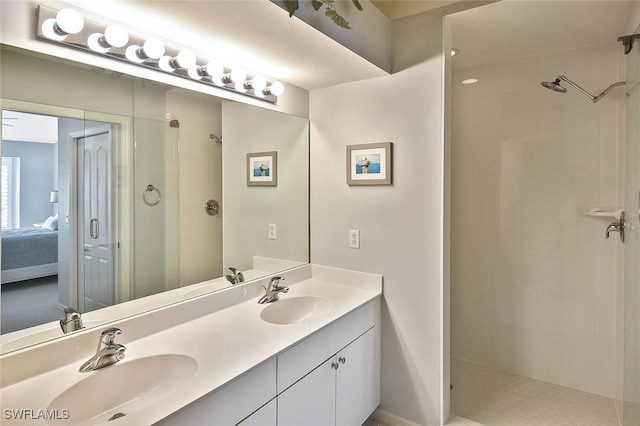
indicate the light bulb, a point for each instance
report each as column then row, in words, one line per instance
column 153, row 48
column 69, row 21
column 196, row 72
column 258, row 83
column 238, row 75
column 116, row 36
column 276, row 88
column 165, row 64
column 185, row 59
column 132, row 54
column 48, row 29
column 215, row 69
column 94, row 43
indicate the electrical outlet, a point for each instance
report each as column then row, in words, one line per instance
column 354, row 238
column 272, row 231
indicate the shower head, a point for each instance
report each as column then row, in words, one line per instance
column 554, row 85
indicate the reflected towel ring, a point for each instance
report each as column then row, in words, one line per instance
column 151, row 188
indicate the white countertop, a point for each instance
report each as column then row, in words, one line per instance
column 225, row 344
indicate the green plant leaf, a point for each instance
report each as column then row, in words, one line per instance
column 316, row 4
column 357, row 4
column 292, row 6
column 339, row 20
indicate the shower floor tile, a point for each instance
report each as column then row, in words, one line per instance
column 497, row 398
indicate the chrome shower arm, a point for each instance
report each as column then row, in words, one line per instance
column 589, row 95
column 608, row 89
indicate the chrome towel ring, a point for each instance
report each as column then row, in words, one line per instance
column 152, row 189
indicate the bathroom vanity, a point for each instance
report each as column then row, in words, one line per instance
column 311, row 357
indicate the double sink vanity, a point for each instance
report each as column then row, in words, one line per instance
column 309, row 356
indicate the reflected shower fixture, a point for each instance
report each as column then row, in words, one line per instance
column 67, row 27
column 557, row 87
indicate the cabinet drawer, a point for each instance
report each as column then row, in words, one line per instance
column 297, row 361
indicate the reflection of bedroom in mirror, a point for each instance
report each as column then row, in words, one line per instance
column 29, row 219
column 36, row 205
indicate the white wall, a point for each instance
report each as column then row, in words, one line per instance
column 400, row 225
column 534, row 283
column 247, row 129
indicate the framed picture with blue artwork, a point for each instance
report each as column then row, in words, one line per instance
column 369, row 164
column 262, row 169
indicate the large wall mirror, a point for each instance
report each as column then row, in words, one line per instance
column 121, row 195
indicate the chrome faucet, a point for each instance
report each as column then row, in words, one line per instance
column 235, row 277
column 273, row 290
column 72, row 320
column 108, row 351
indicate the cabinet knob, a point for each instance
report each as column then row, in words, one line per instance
column 335, row 365
column 342, row 360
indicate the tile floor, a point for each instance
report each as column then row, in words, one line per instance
column 496, row 398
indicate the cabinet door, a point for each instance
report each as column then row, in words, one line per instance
column 232, row 402
column 356, row 395
column 311, row 400
column 265, row 416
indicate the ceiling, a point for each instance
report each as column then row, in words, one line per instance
column 512, row 29
column 23, row 127
column 395, row 9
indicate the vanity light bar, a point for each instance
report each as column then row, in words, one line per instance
column 67, row 27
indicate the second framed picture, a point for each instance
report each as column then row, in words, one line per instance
column 262, row 168
column 369, row 164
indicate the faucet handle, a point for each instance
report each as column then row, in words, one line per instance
column 108, row 336
column 274, row 281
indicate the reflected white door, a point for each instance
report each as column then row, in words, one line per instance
column 96, row 286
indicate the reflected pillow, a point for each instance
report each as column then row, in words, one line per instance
column 51, row 223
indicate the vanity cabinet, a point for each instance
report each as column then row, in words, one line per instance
column 242, row 401
column 340, row 391
column 330, row 377
column 265, row 416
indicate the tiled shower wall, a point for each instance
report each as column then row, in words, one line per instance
column 534, row 282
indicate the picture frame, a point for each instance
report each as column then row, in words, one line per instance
column 262, row 168
column 369, row 164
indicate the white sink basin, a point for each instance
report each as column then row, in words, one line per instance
column 122, row 388
column 295, row 309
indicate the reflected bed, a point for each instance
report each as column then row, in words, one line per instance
column 28, row 253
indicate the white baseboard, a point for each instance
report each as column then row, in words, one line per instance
column 389, row 419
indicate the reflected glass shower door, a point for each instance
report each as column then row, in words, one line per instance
column 632, row 244
column 156, row 207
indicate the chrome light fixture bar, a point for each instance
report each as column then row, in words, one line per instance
column 67, row 27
